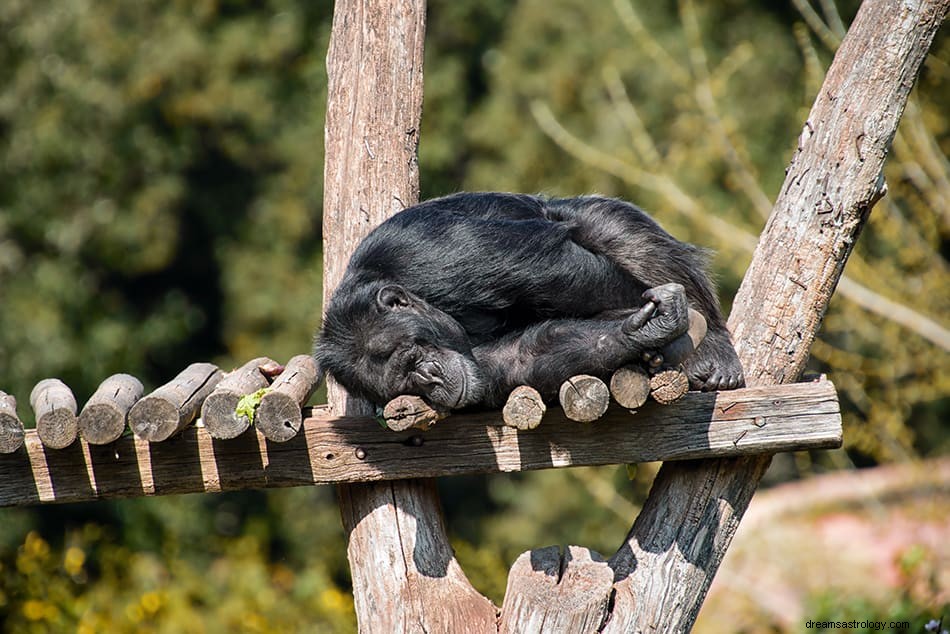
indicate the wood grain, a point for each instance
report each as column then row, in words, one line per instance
column 356, row 449
column 11, row 428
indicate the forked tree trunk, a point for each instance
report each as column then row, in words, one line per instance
column 404, row 574
column 405, row 577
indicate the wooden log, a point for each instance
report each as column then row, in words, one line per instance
column 409, row 411
column 374, row 110
column 54, row 405
column 668, row 386
column 584, row 398
column 630, row 386
column 334, row 450
column 553, row 591
column 672, row 552
column 173, row 406
column 103, row 417
column 524, row 408
column 219, row 410
column 279, row 415
column 11, row 428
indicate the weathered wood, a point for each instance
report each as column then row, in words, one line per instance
column 172, row 407
column 54, row 406
column 553, row 591
column 668, row 386
column 356, row 449
column 630, row 386
column 279, row 415
column 219, row 410
column 11, row 429
column 102, row 419
column 374, row 110
column 524, row 408
column 409, row 411
column 676, row 544
column 421, row 562
column 584, row 398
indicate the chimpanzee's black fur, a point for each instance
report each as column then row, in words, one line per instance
column 462, row 298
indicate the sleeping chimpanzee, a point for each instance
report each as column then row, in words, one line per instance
column 463, row 298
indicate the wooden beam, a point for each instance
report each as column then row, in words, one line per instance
column 672, row 552
column 357, row 449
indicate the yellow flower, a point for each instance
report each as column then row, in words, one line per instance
column 34, row 610
column 73, row 561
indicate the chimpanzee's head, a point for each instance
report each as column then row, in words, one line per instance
column 380, row 341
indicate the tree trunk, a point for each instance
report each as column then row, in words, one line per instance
column 405, row 577
column 835, row 177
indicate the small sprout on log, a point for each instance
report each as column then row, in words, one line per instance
column 584, row 398
column 280, row 415
column 103, row 417
column 11, row 428
column 248, row 404
column 406, row 411
column 219, row 412
column 55, row 408
column 630, row 386
column 524, row 408
column 173, row 406
column 669, row 386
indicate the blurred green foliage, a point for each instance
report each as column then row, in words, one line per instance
column 160, row 203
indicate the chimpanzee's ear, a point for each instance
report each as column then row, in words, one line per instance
column 393, row 297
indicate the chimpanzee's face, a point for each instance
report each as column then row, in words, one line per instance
column 399, row 344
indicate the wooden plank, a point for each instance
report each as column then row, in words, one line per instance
column 356, row 449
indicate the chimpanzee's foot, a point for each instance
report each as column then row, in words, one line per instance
column 663, row 318
column 715, row 364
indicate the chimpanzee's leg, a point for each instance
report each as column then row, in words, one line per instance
column 635, row 242
column 545, row 354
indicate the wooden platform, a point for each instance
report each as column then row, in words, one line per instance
column 336, row 450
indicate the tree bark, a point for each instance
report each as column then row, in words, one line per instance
column 676, row 544
column 405, row 577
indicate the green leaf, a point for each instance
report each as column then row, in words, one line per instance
column 249, row 404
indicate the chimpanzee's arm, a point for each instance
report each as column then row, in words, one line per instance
column 544, row 355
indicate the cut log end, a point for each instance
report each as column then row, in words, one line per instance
column 220, row 418
column 58, row 428
column 524, row 408
column 405, row 412
column 11, row 433
column 584, row 398
column 669, row 386
column 101, row 423
column 55, row 408
column 630, row 386
column 11, row 428
column 154, row 419
column 278, row 417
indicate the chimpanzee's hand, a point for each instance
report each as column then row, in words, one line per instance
column 663, row 318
